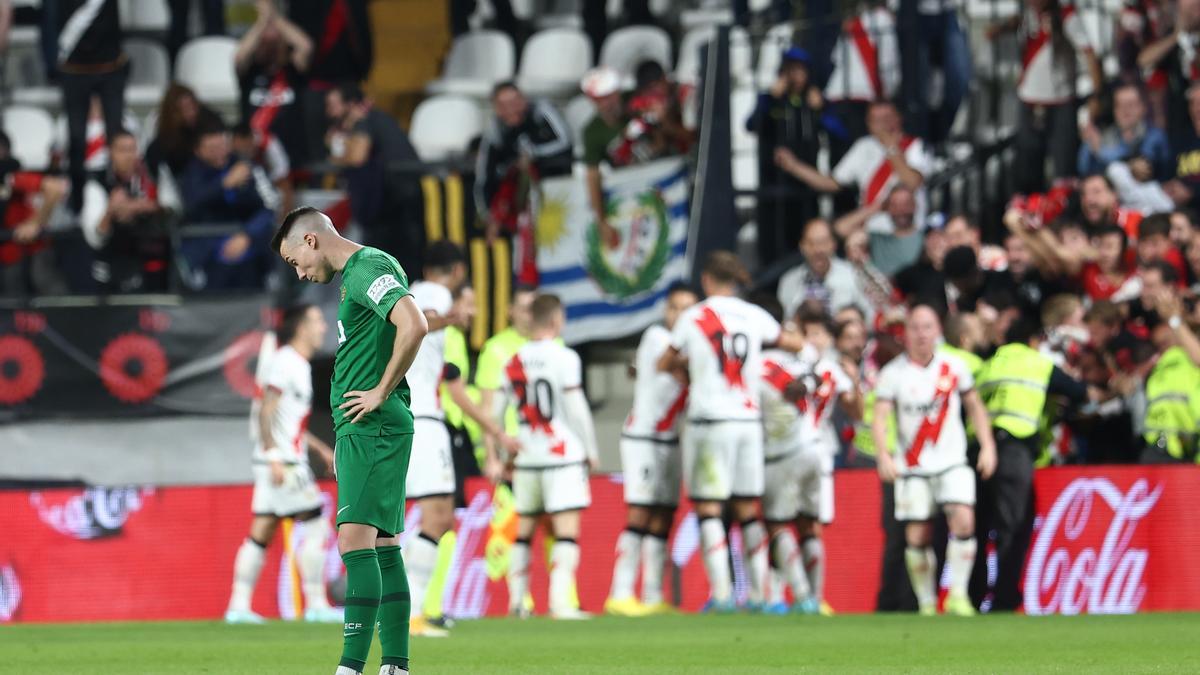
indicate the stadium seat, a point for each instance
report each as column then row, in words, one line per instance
column 444, row 125
column 145, row 15
column 770, row 53
column 741, row 106
column 31, row 131
column 206, row 65
column 559, row 14
column 615, row 8
column 626, row 47
column 149, row 73
column 554, row 61
column 477, row 61
column 578, row 112
column 741, row 55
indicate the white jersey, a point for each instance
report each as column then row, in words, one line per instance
column 807, row 424
column 928, row 406
column 425, row 374
column 722, row 338
column 290, row 376
column 535, row 381
column 658, row 398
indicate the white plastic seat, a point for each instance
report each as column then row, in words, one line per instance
column 147, row 15
column 31, row 131
column 554, row 61
column 206, row 65
column 741, row 106
column 477, row 61
column 627, row 47
column 578, row 112
column 741, row 54
column 148, row 62
column 616, row 8
column 444, row 125
column 558, row 14
column 770, row 53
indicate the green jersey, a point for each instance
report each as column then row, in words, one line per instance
column 372, row 283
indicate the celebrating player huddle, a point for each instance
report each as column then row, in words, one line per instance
column 729, row 401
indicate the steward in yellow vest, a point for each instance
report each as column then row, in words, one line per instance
column 1172, row 416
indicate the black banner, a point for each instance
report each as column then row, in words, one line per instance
column 195, row 357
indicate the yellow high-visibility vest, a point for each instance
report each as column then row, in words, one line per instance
column 1013, row 386
column 1172, row 406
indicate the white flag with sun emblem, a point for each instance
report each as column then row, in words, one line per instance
column 614, row 283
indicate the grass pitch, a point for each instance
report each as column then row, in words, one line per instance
column 1160, row 643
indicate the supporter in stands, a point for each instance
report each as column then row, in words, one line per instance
column 343, row 51
column 212, row 15
column 962, row 230
column 875, row 164
column 180, row 117
column 26, row 260
column 272, row 61
column 1172, row 57
column 122, row 222
column 925, row 278
column 525, row 142
column 1140, row 23
column 1185, row 145
column 1130, row 135
column 823, row 276
column 1099, row 206
column 219, row 188
column 90, row 62
column 271, row 156
column 899, row 244
column 95, row 156
column 656, row 102
column 381, row 169
column 935, row 40
column 866, row 68
column 1053, row 35
column 787, row 120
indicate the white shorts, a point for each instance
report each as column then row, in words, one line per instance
column 798, row 485
column 431, row 466
column 551, row 489
column 723, row 460
column 651, row 470
column 917, row 497
column 296, row 495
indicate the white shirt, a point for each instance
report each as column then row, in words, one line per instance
column 425, row 374
column 805, row 425
column 840, row 288
column 866, row 167
column 1044, row 79
column 535, row 381
column 866, row 59
column 290, row 376
column 722, row 338
column 658, row 398
column 924, row 397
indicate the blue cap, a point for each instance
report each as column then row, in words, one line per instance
column 796, row 55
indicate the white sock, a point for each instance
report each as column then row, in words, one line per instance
column 754, row 557
column 922, row 566
column 420, row 557
column 775, row 585
column 814, row 566
column 625, row 569
column 787, row 561
column 311, row 562
column 716, row 559
column 518, row 575
column 654, row 558
column 246, row 565
column 960, row 560
column 564, row 560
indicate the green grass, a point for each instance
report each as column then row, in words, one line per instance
column 1163, row 643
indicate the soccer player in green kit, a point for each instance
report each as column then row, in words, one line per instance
column 379, row 329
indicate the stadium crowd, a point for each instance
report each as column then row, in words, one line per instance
column 1097, row 266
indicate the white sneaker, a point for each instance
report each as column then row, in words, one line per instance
column 346, row 670
column 243, row 616
column 324, row 615
column 392, row 669
column 570, row 615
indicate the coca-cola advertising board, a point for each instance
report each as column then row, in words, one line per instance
column 1107, row 540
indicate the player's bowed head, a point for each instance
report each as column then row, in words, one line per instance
column 307, row 240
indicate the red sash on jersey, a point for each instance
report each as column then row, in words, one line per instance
column 300, row 433
column 527, row 407
column 668, row 420
column 883, row 174
column 714, row 331
column 94, row 146
column 260, row 122
column 931, row 429
column 780, row 379
column 823, row 394
column 868, row 53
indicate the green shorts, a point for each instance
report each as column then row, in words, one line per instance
column 370, row 480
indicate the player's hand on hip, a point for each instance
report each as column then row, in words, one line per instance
column 278, row 473
column 887, row 468
column 359, row 403
column 987, row 461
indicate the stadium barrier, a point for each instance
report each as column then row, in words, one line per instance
column 1108, row 540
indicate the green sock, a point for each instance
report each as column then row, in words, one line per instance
column 437, row 583
column 362, row 606
column 395, row 605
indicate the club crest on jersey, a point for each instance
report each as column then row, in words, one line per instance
column 633, row 260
